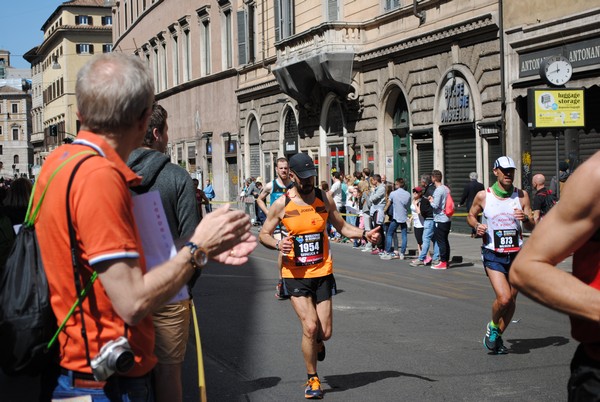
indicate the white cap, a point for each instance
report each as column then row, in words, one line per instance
column 505, row 162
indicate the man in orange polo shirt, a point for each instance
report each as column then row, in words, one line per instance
column 114, row 100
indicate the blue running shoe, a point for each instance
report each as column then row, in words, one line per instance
column 313, row 389
column 490, row 338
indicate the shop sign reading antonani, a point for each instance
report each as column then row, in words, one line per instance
column 455, row 103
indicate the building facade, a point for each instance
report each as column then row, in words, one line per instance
column 399, row 87
column 534, row 32
column 189, row 46
column 16, row 152
column 76, row 31
column 355, row 84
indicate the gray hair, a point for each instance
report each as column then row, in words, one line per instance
column 425, row 178
column 473, row 176
column 114, row 91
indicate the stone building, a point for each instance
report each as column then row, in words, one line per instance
column 75, row 31
column 190, row 48
column 536, row 31
column 399, row 87
column 16, row 153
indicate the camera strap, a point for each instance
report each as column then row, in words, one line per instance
column 81, row 294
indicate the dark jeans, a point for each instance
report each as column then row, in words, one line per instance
column 584, row 383
column 441, row 230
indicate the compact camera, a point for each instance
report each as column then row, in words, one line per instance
column 115, row 356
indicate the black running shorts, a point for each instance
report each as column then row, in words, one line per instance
column 320, row 289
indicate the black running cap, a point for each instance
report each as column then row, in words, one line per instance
column 303, row 166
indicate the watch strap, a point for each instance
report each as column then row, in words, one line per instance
column 194, row 248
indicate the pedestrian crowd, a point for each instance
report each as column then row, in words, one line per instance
column 367, row 200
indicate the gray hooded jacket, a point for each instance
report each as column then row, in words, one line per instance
column 174, row 185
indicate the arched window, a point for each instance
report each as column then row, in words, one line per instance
column 16, row 159
column 290, row 133
column 254, row 143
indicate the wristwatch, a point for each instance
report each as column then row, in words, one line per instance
column 199, row 254
column 364, row 235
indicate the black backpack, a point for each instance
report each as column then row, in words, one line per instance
column 28, row 328
column 549, row 201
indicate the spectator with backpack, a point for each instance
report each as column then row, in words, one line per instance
column 92, row 231
column 544, row 198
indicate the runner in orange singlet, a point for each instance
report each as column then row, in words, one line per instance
column 307, row 264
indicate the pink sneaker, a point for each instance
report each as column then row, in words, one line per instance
column 440, row 265
column 375, row 251
column 427, row 260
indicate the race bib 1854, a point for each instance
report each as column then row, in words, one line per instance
column 308, row 249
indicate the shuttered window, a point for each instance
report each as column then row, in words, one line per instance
column 333, row 10
column 241, row 27
column 83, row 20
column 84, row 48
column 284, row 19
column 391, row 5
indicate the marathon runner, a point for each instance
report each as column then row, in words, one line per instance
column 276, row 189
column 307, row 268
column 504, row 207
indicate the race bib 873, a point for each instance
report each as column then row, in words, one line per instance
column 506, row 240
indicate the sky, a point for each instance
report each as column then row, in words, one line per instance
column 20, row 26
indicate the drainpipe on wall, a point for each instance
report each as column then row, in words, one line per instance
column 262, row 16
column 502, row 80
column 420, row 15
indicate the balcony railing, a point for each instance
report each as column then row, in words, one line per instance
column 37, row 137
column 327, row 37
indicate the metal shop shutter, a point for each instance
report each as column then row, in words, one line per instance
column 543, row 155
column 459, row 159
column 494, row 152
column 425, row 165
column 589, row 144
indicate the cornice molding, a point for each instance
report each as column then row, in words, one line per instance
column 452, row 32
column 258, row 88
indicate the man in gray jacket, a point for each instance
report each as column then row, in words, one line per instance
column 178, row 196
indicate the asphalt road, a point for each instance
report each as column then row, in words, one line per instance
column 400, row 334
